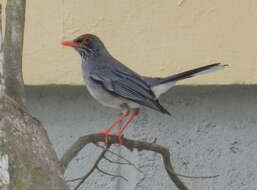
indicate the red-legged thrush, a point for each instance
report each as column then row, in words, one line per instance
column 115, row 85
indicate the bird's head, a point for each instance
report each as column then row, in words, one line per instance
column 86, row 45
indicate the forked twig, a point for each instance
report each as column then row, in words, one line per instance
column 129, row 144
column 115, row 162
column 112, row 175
column 100, row 157
column 125, row 159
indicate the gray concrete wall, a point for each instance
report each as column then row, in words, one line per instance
column 213, row 130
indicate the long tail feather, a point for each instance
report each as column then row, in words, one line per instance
column 193, row 72
column 161, row 85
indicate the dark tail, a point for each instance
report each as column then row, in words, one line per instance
column 162, row 85
column 155, row 104
column 161, row 108
column 191, row 73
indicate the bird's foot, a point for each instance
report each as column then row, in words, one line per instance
column 119, row 136
column 106, row 137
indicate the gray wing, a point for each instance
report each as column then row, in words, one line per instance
column 127, row 85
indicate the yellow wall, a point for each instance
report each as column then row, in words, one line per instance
column 154, row 37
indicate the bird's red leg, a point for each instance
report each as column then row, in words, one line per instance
column 130, row 119
column 110, row 127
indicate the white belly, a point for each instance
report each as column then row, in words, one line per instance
column 108, row 99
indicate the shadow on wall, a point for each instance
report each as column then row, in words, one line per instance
column 213, row 130
column 74, row 91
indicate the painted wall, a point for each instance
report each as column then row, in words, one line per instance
column 154, row 38
column 212, row 132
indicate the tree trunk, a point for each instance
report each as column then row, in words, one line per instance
column 12, row 47
column 27, row 158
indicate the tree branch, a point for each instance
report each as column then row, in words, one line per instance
column 13, row 46
column 2, row 85
column 127, row 162
column 129, row 144
column 109, row 174
column 95, row 166
column 30, row 160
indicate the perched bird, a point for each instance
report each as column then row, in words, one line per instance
column 115, row 85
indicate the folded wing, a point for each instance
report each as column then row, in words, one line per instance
column 127, row 85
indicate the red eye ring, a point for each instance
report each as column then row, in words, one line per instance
column 86, row 40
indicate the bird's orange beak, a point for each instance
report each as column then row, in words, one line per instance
column 71, row 44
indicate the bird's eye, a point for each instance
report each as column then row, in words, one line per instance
column 86, row 41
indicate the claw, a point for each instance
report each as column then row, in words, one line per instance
column 106, row 137
column 105, row 133
column 130, row 119
column 119, row 136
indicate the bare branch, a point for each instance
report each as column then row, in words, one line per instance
column 115, row 162
column 75, row 179
column 196, row 177
column 95, row 167
column 132, row 164
column 91, row 170
column 109, row 174
column 129, row 144
column 123, row 158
